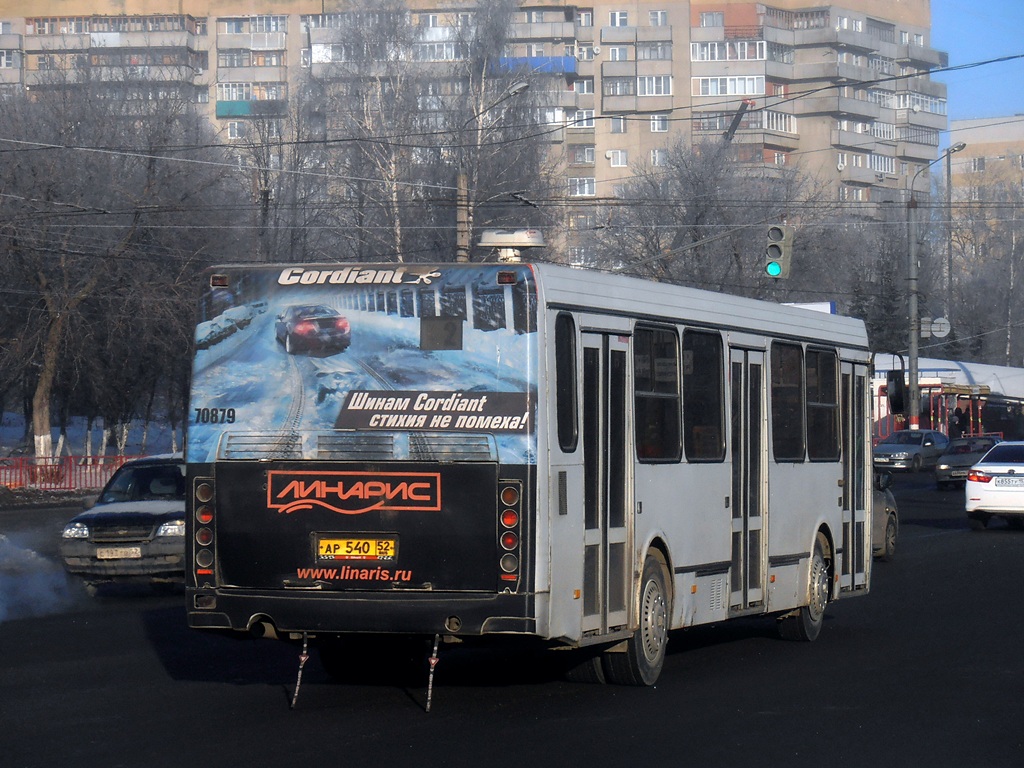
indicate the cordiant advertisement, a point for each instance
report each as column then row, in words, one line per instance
column 285, row 354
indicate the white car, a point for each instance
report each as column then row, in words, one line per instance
column 995, row 486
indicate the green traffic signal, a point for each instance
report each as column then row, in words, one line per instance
column 777, row 251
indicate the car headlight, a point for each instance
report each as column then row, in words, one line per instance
column 943, row 466
column 76, row 531
column 901, row 455
column 172, row 528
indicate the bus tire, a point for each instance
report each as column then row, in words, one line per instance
column 644, row 656
column 805, row 623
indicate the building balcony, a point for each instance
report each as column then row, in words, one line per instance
column 830, row 37
column 549, row 65
column 618, row 104
column 54, row 43
column 175, row 39
column 611, row 35
column 922, row 85
column 618, row 69
column 558, row 30
column 251, row 109
column 10, row 42
column 836, row 105
column 917, row 151
column 853, row 175
column 919, row 54
column 660, row 34
column 252, row 74
column 257, row 41
column 864, row 142
column 921, row 119
column 10, row 75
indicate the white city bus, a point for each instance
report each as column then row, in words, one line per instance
column 475, row 450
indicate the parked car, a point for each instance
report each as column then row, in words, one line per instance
column 961, row 454
column 995, row 486
column 135, row 529
column 313, row 328
column 910, row 449
column 885, row 519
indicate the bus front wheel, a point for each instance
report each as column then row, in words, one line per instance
column 644, row 656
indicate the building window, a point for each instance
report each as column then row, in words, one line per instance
column 618, row 53
column 618, row 158
column 585, row 53
column 654, row 85
column 584, row 85
column 658, row 18
column 582, row 118
column 618, row 19
column 585, row 186
column 585, row 19
column 535, row 17
column 6, row 59
column 659, row 157
column 976, row 165
column 618, row 124
column 582, row 154
column 716, row 19
column 233, row 57
column 269, row 23
column 231, row 26
column 659, row 123
column 728, row 86
column 618, row 86
column 236, row 130
column 535, row 50
column 654, row 52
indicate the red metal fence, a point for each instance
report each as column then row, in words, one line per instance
column 66, row 473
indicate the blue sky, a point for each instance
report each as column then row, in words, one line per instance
column 980, row 30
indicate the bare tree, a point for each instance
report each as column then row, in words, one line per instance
column 108, row 211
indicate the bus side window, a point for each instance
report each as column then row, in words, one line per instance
column 565, row 383
column 787, row 402
column 703, row 396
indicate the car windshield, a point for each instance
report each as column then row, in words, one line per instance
column 903, row 438
column 1005, row 454
column 145, row 482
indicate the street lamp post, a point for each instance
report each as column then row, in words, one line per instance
column 463, row 211
column 912, row 308
column 949, row 229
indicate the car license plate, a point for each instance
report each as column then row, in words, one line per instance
column 1010, row 482
column 356, row 547
column 118, row 553
column 958, row 473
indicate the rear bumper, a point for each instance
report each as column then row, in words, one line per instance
column 372, row 612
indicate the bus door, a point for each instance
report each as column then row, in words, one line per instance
column 749, row 461
column 857, row 484
column 607, row 467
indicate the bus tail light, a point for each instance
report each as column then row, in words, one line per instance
column 509, row 519
column 202, row 501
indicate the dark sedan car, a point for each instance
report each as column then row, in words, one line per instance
column 313, row 328
column 136, row 529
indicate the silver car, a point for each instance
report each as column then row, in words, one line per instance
column 885, row 519
column 910, row 450
column 961, row 454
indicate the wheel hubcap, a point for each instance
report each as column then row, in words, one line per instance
column 819, row 588
column 655, row 621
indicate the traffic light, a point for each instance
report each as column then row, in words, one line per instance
column 778, row 251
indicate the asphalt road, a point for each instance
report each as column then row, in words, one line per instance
column 927, row 670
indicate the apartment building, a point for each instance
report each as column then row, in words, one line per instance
column 843, row 91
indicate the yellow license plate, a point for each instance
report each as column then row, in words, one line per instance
column 357, row 548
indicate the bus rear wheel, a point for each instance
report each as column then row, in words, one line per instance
column 805, row 623
column 644, row 656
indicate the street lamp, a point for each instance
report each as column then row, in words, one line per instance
column 949, row 229
column 463, row 212
column 912, row 310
